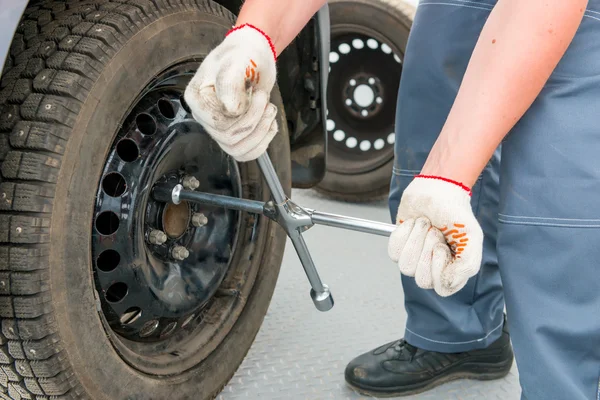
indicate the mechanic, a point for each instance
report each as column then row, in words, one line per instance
column 483, row 81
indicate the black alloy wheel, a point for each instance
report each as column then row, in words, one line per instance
column 157, row 266
column 368, row 40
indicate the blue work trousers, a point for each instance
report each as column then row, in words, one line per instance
column 538, row 202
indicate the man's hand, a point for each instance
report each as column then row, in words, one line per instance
column 438, row 240
column 229, row 94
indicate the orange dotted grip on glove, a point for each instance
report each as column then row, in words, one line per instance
column 251, row 74
column 271, row 45
column 455, row 234
column 455, row 238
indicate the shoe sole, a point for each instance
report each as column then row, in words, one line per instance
column 433, row 383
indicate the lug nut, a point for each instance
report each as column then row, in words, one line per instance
column 190, row 183
column 180, row 253
column 157, row 237
column 199, row 220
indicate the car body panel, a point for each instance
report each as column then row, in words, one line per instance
column 307, row 127
column 303, row 92
column 10, row 15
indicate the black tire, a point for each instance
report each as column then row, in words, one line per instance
column 349, row 177
column 74, row 70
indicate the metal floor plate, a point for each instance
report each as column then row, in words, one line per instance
column 301, row 353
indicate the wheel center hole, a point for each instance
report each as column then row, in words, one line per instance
column 364, row 95
column 176, row 219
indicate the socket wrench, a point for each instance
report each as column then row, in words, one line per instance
column 293, row 218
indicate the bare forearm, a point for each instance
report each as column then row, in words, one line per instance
column 519, row 47
column 282, row 20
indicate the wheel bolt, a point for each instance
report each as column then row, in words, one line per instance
column 180, row 253
column 199, row 220
column 190, row 183
column 157, row 237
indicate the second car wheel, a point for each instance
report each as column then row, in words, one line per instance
column 106, row 293
column 368, row 40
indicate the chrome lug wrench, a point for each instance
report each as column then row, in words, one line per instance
column 290, row 216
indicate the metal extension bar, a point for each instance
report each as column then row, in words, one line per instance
column 292, row 218
column 352, row 224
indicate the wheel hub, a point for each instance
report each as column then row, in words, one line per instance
column 364, row 80
column 363, row 96
column 176, row 219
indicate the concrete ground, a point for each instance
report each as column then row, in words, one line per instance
column 301, row 353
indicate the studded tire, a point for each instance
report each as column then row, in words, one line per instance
column 73, row 71
column 390, row 21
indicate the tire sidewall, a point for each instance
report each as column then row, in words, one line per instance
column 390, row 19
column 98, row 367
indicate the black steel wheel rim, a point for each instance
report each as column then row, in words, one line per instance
column 364, row 78
column 153, row 300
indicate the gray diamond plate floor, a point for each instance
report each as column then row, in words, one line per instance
column 300, row 353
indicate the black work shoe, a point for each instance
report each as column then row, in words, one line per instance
column 399, row 369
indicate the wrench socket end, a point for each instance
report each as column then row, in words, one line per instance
column 323, row 300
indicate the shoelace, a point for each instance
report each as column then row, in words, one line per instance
column 401, row 345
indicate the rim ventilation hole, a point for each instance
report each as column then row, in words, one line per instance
column 188, row 319
column 108, row 260
column 386, row 49
column 379, row 144
column 351, row 142
column 114, row 184
column 165, row 107
column 352, row 82
column 146, row 124
column 330, row 125
column 372, row 43
column 184, row 104
column 365, row 145
column 344, row 48
column 334, row 57
column 358, row 44
column 379, row 100
column 128, row 150
column 131, row 315
column 348, row 102
column 339, row 135
column 398, row 60
column 364, row 113
column 116, row 292
column 169, row 329
column 107, row 223
column 149, row 328
column 371, row 81
column 391, row 139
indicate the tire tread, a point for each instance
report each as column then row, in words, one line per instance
column 56, row 56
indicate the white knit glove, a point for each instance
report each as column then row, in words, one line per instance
column 438, row 240
column 229, row 94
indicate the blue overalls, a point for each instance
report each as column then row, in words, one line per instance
column 538, row 202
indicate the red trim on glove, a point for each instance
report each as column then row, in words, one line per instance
column 462, row 186
column 271, row 45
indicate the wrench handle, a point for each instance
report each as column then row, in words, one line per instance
column 319, row 293
column 268, row 171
